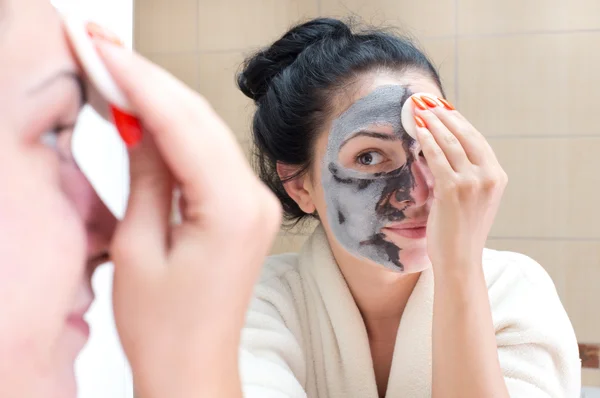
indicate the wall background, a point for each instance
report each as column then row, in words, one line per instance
column 524, row 72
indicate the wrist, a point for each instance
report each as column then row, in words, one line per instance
column 461, row 272
column 190, row 379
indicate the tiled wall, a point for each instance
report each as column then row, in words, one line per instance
column 524, row 72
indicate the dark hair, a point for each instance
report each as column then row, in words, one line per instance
column 291, row 83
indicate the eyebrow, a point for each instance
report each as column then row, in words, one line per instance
column 372, row 134
column 58, row 76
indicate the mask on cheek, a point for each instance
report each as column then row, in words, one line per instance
column 360, row 204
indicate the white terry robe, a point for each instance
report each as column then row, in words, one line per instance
column 305, row 337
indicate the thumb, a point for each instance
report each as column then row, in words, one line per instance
column 141, row 238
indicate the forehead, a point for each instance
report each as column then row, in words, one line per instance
column 367, row 84
column 32, row 42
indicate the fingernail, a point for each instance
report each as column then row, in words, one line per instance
column 447, row 105
column 429, row 101
column 129, row 127
column 419, row 103
column 97, row 32
column 420, row 122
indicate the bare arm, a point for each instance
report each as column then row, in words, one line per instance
column 465, row 356
column 467, row 188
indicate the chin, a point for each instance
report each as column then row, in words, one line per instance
column 68, row 383
column 415, row 259
column 59, row 383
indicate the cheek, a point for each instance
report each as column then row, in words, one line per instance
column 78, row 190
column 422, row 174
column 42, row 256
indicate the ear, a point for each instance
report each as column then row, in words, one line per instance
column 296, row 188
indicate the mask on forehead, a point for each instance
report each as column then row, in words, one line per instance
column 360, row 204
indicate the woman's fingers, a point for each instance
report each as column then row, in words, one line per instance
column 196, row 145
column 445, row 138
column 436, row 159
column 473, row 143
column 147, row 218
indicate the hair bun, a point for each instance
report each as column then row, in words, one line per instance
column 260, row 69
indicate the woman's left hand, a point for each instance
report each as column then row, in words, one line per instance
column 468, row 185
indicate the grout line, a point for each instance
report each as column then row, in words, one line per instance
column 197, row 72
column 133, row 24
column 197, row 38
column 504, row 34
column 444, row 37
column 526, row 32
column 456, row 61
column 455, row 37
column 200, row 52
column 542, row 136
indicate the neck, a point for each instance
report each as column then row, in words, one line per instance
column 380, row 294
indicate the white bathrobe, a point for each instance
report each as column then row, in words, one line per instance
column 305, row 337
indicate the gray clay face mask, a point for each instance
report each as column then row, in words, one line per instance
column 360, row 204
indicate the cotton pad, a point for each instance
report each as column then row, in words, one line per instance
column 101, row 88
column 408, row 114
column 98, row 149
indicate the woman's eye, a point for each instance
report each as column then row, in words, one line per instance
column 50, row 138
column 369, row 159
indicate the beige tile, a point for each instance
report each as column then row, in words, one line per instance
column 287, row 243
column 477, row 17
column 421, row 18
column 575, row 268
column 530, row 85
column 442, row 53
column 183, row 66
column 165, row 26
column 240, row 24
column 553, row 188
column 248, row 148
column 583, row 295
column 217, row 74
column 590, row 377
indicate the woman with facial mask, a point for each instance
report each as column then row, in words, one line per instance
column 54, row 230
column 357, row 313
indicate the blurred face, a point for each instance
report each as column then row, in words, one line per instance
column 53, row 228
column 375, row 188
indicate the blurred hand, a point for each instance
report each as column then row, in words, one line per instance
column 181, row 292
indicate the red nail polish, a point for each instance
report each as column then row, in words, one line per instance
column 419, row 103
column 447, row 105
column 129, row 127
column 429, row 101
column 96, row 31
column 420, row 122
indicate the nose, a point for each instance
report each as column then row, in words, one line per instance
column 98, row 220
column 422, row 188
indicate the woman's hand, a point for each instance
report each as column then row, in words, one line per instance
column 468, row 184
column 181, row 292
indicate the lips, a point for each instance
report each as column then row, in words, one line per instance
column 77, row 322
column 410, row 229
column 85, row 297
column 76, row 319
